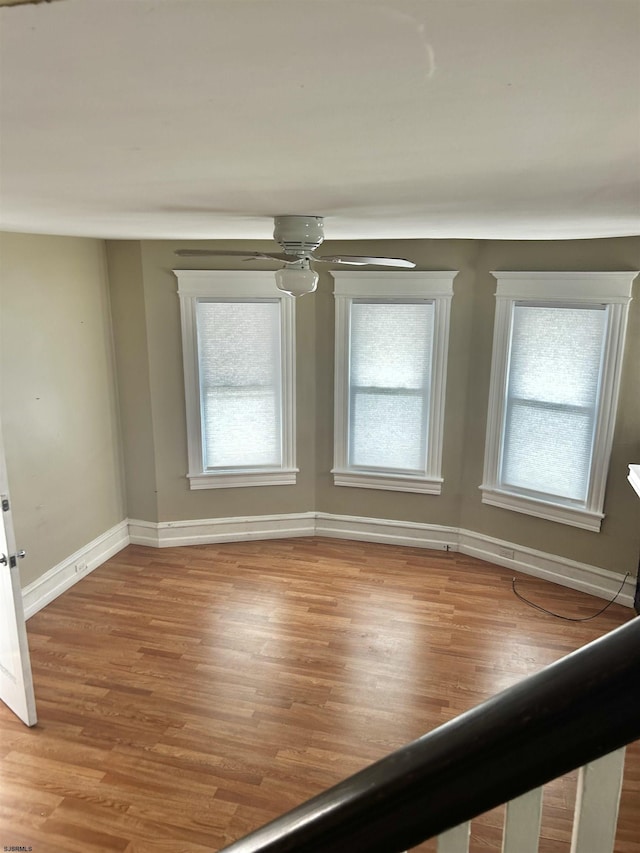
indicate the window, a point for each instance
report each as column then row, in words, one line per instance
column 392, row 333
column 238, row 348
column 557, row 354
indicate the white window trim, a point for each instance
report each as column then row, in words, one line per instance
column 436, row 286
column 612, row 289
column 207, row 284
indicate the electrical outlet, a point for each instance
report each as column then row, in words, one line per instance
column 507, row 553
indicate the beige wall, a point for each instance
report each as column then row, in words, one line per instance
column 617, row 545
column 58, row 403
column 615, row 548
column 372, row 503
column 164, row 399
column 128, row 310
column 60, row 415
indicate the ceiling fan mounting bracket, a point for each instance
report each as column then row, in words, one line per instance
column 299, row 235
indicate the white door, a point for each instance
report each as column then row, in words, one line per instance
column 16, row 684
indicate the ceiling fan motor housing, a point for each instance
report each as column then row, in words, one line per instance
column 299, row 235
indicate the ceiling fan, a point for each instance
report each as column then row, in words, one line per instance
column 299, row 237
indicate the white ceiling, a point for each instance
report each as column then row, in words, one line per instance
column 392, row 118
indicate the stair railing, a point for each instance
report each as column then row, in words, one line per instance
column 576, row 712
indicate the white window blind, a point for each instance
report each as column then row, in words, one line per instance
column 390, row 358
column 555, row 377
column 239, row 366
column 552, row 396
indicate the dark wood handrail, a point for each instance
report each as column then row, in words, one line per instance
column 572, row 712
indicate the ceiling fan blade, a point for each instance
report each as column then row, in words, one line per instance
column 222, row 253
column 355, row 260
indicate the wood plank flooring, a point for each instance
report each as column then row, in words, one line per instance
column 187, row 695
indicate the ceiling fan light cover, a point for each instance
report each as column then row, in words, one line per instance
column 296, row 282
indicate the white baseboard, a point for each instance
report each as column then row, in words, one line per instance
column 168, row 534
column 207, row 531
column 58, row 579
column 581, row 576
column 594, row 580
column 388, row 531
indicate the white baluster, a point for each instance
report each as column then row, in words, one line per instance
column 522, row 823
column 455, row 840
column 597, row 800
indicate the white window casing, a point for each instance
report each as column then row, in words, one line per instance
column 572, row 491
column 356, row 295
column 210, row 297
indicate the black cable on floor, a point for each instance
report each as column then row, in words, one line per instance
column 559, row 615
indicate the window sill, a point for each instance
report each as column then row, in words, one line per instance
column 388, row 482
column 583, row 518
column 228, row 480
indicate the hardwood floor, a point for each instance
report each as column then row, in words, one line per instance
column 187, row 695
